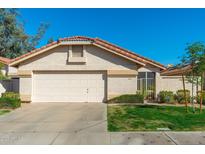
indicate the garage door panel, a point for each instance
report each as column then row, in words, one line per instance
column 68, row 87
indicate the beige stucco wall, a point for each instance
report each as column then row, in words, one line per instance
column 118, row 85
column 12, row 70
column 25, row 88
column 149, row 68
column 96, row 59
column 174, row 84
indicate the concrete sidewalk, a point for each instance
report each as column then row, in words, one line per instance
column 159, row 138
column 100, row 138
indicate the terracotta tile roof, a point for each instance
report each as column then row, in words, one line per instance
column 102, row 43
column 174, row 71
column 5, row 60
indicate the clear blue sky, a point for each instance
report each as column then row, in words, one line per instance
column 159, row 34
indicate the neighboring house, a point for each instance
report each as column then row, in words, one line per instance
column 4, row 85
column 4, row 62
column 82, row 69
column 7, row 84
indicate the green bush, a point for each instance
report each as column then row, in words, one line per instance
column 10, row 100
column 11, row 95
column 129, row 98
column 166, row 97
column 179, row 97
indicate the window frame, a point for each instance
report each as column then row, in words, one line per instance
column 71, row 59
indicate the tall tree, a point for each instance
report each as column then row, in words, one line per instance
column 201, row 70
column 195, row 54
column 14, row 41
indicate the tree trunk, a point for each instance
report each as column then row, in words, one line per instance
column 185, row 98
column 201, row 97
column 192, row 91
column 197, row 89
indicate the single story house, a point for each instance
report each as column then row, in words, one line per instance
column 83, row 69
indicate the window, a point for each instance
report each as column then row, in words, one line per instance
column 76, row 54
column 77, row 51
column 141, row 75
column 150, row 75
column 146, row 84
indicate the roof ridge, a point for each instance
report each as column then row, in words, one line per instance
column 75, row 37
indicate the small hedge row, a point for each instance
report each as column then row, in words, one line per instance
column 170, row 97
column 129, row 98
column 179, row 96
column 166, row 96
column 10, row 100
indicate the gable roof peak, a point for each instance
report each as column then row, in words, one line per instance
column 95, row 41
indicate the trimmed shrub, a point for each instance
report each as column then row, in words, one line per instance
column 11, row 95
column 10, row 100
column 166, row 97
column 129, row 98
column 179, row 97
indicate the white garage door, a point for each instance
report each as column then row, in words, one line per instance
column 68, row 87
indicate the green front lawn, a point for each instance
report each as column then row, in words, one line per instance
column 3, row 112
column 149, row 118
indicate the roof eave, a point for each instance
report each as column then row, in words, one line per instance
column 177, row 72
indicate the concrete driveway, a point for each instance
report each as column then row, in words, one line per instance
column 77, row 123
column 55, row 123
